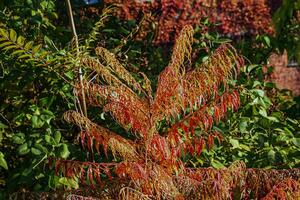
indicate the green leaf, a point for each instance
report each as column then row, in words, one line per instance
column 73, row 183
column 35, row 49
column 259, row 92
column 3, row 125
column 48, row 139
column 25, row 56
column 274, row 119
column 296, row 141
column 256, row 83
column 35, row 151
column 64, row 153
column 57, row 136
column 13, row 35
column 41, row 148
column 245, row 147
column 205, row 58
column 9, row 47
column 3, row 161
column 271, row 155
column 23, row 149
column 69, row 182
column 18, row 138
column 252, row 67
column 3, row 33
column 17, row 52
column 263, row 112
column 216, row 164
column 37, row 122
column 5, row 44
column 102, row 116
column 64, row 181
column 234, row 143
column 20, row 40
column 243, row 126
column 70, row 75
column 28, row 45
column 267, row 41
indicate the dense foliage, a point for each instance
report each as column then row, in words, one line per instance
column 39, row 69
column 236, row 18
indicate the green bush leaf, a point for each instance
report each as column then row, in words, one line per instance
column 57, row 136
column 28, row 45
column 271, row 155
column 3, row 161
column 64, row 153
column 234, row 143
column 216, row 164
column 36, row 122
column 263, row 112
column 296, row 141
column 13, row 35
column 35, row 151
column 23, row 149
column 20, row 40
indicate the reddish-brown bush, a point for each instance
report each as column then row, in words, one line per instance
column 236, row 17
column 148, row 160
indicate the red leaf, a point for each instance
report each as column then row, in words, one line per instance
column 70, row 171
column 57, row 166
column 97, row 176
column 107, row 172
column 121, row 169
column 210, row 141
column 210, row 121
column 82, row 136
column 199, row 145
column 91, row 177
column 216, row 113
column 184, row 128
column 82, row 177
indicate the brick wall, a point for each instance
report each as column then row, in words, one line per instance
column 285, row 77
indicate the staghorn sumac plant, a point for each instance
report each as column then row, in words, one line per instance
column 186, row 99
column 147, row 162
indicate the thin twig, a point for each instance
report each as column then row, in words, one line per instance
column 77, row 49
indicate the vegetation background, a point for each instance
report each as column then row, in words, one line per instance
column 39, row 69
